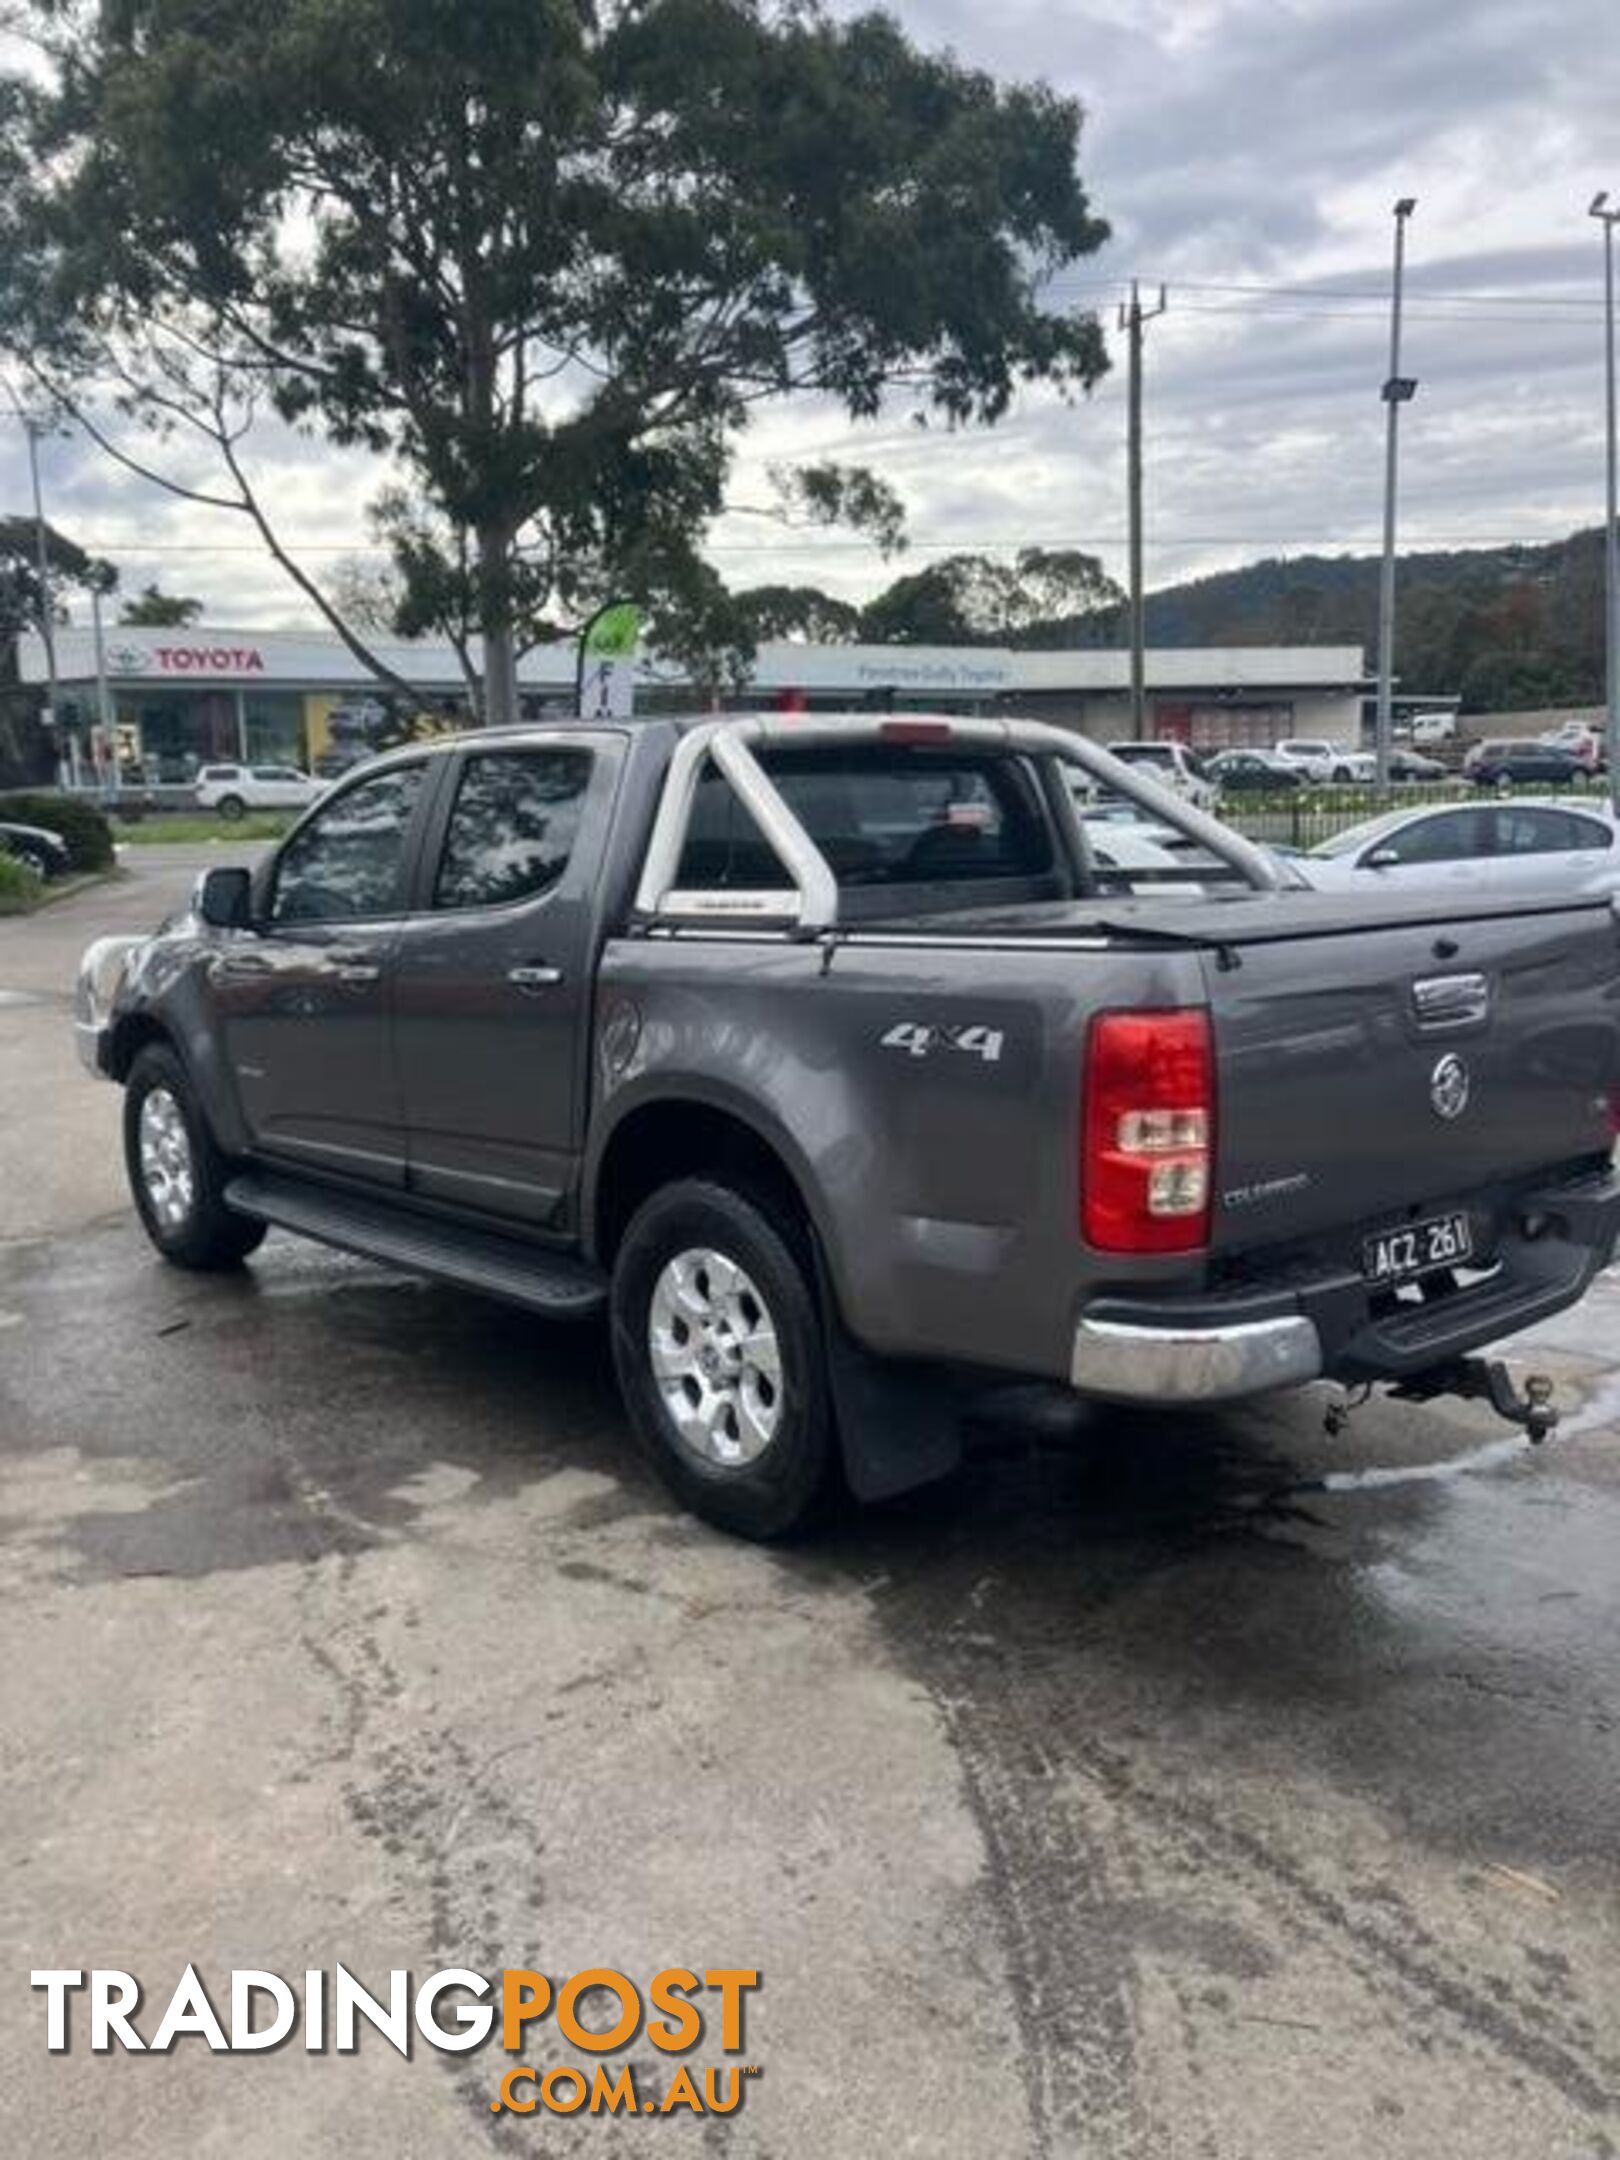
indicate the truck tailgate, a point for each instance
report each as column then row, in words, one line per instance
column 1367, row 1074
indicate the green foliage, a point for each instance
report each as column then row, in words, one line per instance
column 973, row 600
column 164, row 827
column 20, row 597
column 549, row 256
column 20, row 887
column 84, row 827
column 154, row 609
column 800, row 612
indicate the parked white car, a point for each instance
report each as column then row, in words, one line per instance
column 1318, row 761
column 1428, row 728
column 233, row 790
column 1531, row 844
column 1173, row 765
column 1581, row 740
column 1137, row 859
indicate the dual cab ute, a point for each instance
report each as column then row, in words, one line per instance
column 823, row 1056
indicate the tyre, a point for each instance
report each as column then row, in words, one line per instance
column 231, row 807
column 177, row 1173
column 717, row 1342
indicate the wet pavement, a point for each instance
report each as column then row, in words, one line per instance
column 1211, row 1788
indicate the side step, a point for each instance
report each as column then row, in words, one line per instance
column 501, row 1267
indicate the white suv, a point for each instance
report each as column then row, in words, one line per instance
column 234, row 789
column 1173, row 765
column 1322, row 761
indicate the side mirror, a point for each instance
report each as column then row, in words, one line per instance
column 1381, row 858
column 224, row 899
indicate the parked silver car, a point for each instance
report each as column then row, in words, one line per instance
column 1530, row 843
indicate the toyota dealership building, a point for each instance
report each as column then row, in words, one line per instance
column 183, row 698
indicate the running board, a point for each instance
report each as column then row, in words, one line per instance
column 546, row 1282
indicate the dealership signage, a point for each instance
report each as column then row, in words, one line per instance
column 185, row 659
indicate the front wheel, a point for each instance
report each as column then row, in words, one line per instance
column 717, row 1342
column 176, row 1171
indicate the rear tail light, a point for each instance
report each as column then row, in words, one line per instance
column 1147, row 1142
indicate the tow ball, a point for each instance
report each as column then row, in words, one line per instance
column 1471, row 1380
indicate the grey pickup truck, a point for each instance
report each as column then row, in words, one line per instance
column 831, row 1058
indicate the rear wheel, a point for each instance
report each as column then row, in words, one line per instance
column 718, row 1347
column 177, row 1173
column 231, row 808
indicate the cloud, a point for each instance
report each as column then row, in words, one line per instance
column 1232, row 145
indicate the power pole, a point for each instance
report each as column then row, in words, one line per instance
column 1398, row 390
column 1611, row 535
column 1131, row 319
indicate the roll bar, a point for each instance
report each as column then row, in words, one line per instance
column 729, row 745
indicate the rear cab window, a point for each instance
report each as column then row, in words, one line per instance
column 885, row 818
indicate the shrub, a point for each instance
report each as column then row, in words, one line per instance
column 20, row 887
column 83, row 825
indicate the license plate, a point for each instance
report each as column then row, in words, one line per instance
column 1416, row 1248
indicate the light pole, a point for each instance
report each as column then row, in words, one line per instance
column 101, row 580
column 34, row 429
column 1398, row 390
column 1609, row 218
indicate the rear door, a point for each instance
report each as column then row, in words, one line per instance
column 1535, row 845
column 494, row 976
column 303, row 1000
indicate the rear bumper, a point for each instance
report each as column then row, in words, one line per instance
column 1220, row 1347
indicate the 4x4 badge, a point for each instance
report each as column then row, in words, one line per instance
column 1450, row 1086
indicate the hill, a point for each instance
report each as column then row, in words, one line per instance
column 1508, row 628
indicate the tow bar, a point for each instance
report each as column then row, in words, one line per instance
column 1472, row 1379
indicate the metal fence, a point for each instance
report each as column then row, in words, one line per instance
column 1304, row 817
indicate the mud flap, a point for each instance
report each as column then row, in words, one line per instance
column 899, row 1425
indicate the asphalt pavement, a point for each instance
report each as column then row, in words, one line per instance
column 1209, row 1787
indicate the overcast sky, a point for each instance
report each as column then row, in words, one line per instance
column 1234, row 146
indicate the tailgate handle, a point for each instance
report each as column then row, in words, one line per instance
column 1445, row 1003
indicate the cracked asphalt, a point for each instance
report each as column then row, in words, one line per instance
column 1210, row 1788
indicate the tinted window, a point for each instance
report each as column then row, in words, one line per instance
column 1450, row 838
column 513, row 826
column 881, row 817
column 346, row 861
column 1546, row 832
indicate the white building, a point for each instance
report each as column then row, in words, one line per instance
column 181, row 698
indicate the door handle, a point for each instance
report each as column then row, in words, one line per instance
column 535, row 975
column 356, row 974
column 238, row 967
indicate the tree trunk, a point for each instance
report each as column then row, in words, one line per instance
column 500, row 645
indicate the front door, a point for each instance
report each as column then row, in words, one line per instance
column 304, row 999
column 492, row 983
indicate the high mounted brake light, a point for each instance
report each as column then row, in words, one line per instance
column 915, row 731
column 1148, row 1132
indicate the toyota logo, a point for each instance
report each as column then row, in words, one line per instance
column 1449, row 1087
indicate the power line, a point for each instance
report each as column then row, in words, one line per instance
column 1527, row 297
column 1315, row 541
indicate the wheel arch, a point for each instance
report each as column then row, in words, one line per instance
column 659, row 1139
column 130, row 1036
